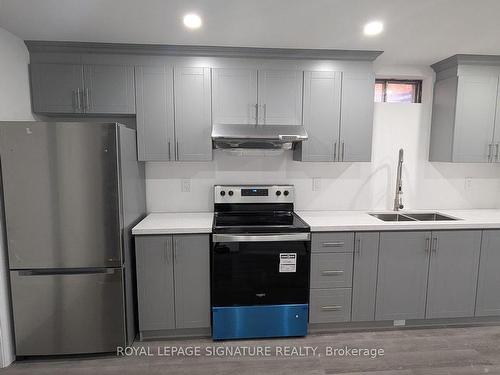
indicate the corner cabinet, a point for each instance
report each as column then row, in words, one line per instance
column 173, row 284
column 466, row 110
column 173, row 113
column 77, row 88
column 338, row 116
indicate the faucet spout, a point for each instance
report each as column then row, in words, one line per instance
column 398, row 199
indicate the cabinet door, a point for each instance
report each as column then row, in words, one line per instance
column 193, row 125
column 356, row 117
column 330, row 305
column 402, row 275
column 280, row 97
column 192, row 280
column 364, row 284
column 54, row 88
column 155, row 112
column 453, row 274
column 155, row 282
column 488, row 296
column 475, row 118
column 109, row 89
column 321, row 116
column 234, row 99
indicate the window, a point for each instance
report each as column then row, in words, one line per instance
column 398, row 91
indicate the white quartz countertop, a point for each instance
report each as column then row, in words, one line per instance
column 326, row 221
column 175, row 223
column 332, row 221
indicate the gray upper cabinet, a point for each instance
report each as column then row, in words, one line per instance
column 364, row 284
column 56, row 88
column 280, row 97
column 465, row 121
column 193, row 114
column 155, row 282
column 453, row 271
column 155, row 112
column 402, row 275
column 322, row 92
column 109, row 89
column 338, row 116
column 234, row 96
column 251, row 96
column 488, row 298
column 356, row 113
column 192, row 280
column 76, row 88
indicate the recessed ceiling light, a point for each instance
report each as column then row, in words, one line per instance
column 373, row 28
column 192, row 21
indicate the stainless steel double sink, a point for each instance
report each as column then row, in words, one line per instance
column 418, row 216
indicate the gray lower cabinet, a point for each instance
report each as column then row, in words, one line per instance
column 331, row 270
column 155, row 282
column 330, row 305
column 154, row 92
column 173, row 281
column 364, row 283
column 57, row 88
column 192, row 281
column 488, row 295
column 453, row 270
column 402, row 275
column 77, row 88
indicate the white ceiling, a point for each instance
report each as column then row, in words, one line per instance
column 416, row 31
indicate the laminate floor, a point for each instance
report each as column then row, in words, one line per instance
column 443, row 351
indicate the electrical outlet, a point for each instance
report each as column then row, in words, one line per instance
column 399, row 323
column 186, row 185
column 316, row 184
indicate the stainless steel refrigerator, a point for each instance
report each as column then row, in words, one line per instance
column 72, row 192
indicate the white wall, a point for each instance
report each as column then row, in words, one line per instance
column 352, row 186
column 14, row 105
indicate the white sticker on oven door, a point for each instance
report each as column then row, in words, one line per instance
column 288, row 262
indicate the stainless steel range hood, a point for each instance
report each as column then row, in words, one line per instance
column 244, row 136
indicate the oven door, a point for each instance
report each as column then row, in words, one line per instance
column 260, row 269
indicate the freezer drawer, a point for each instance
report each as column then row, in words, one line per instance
column 67, row 311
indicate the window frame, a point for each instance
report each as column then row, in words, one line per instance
column 416, row 82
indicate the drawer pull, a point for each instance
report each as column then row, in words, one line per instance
column 331, row 308
column 332, row 273
column 333, row 244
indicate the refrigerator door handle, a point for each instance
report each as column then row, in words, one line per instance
column 68, row 271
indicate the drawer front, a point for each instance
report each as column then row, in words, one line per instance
column 331, row 270
column 341, row 242
column 330, row 305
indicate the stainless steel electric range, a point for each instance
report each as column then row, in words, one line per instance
column 260, row 261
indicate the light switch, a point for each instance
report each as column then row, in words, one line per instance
column 316, row 184
column 186, row 185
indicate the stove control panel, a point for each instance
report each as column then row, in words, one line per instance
column 253, row 194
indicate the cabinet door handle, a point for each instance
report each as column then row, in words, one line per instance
column 335, row 151
column 256, row 114
column 489, row 152
column 496, row 151
column 427, row 244
column 169, row 150
column 87, row 99
column 75, row 101
column 79, row 99
column 334, row 244
column 331, row 308
column 358, row 247
column 265, row 114
column 343, row 149
column 332, row 273
column 435, row 244
column 177, row 150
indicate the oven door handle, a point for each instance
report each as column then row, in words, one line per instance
column 261, row 237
